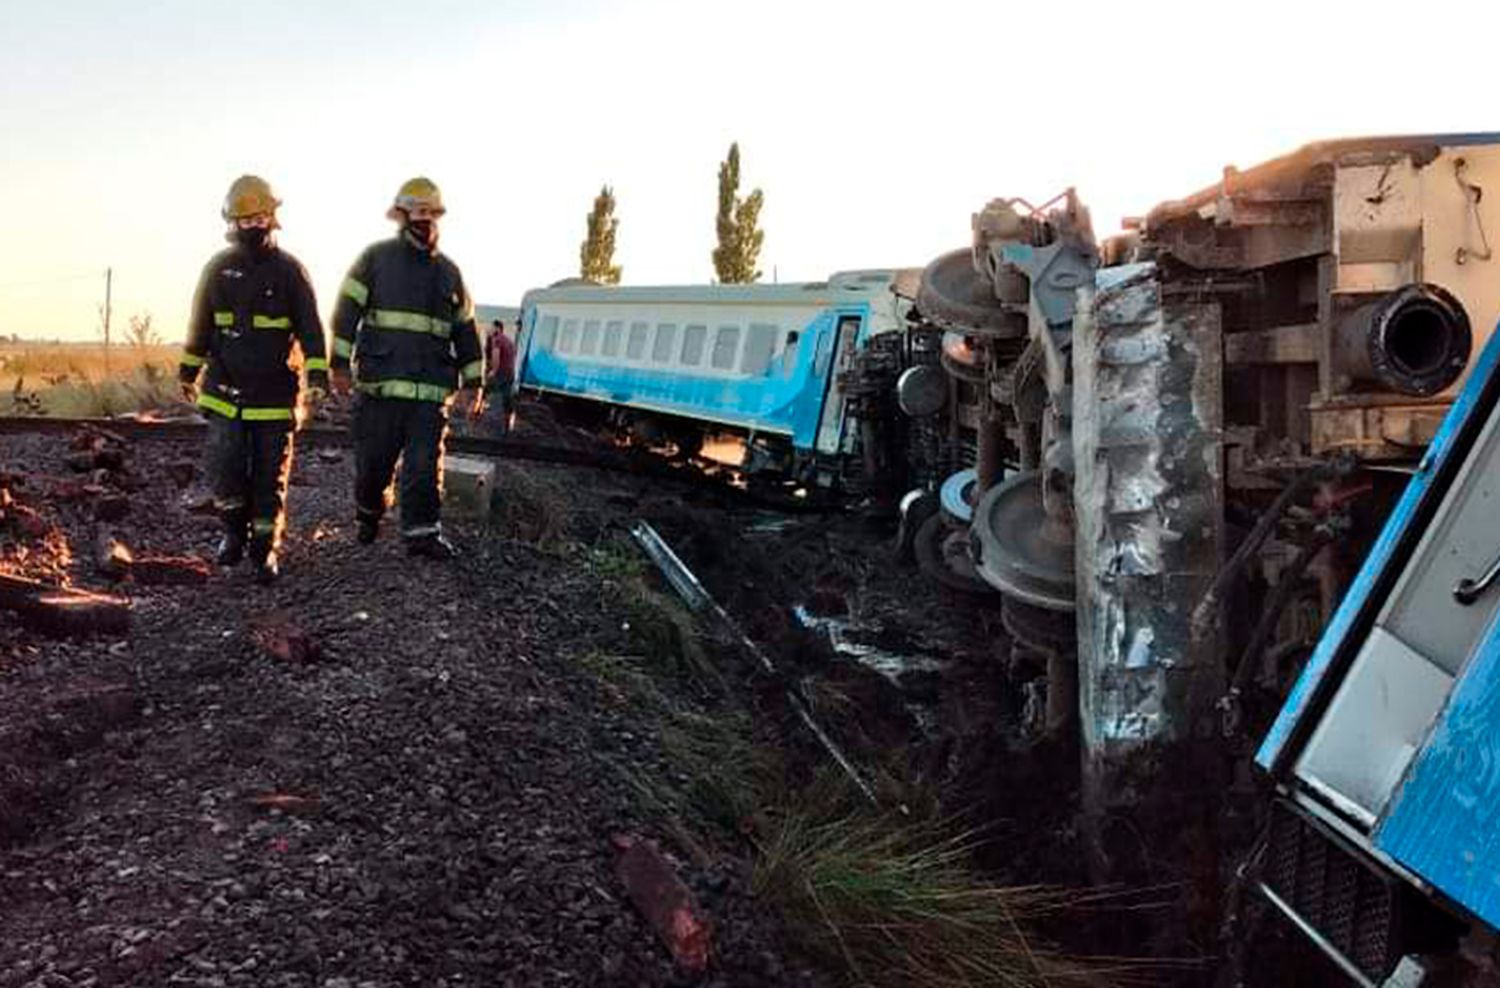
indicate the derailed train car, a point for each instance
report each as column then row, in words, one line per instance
column 767, row 364
column 1184, row 445
column 1166, row 458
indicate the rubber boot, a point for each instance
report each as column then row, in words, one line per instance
column 367, row 529
column 267, row 566
column 431, row 547
column 232, row 545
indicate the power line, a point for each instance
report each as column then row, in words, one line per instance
column 39, row 282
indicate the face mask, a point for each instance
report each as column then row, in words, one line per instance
column 253, row 237
column 422, row 233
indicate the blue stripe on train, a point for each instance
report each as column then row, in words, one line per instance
column 786, row 400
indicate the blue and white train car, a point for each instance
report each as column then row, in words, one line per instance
column 760, row 361
column 1387, row 751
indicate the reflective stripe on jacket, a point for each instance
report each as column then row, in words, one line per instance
column 406, row 322
column 250, row 310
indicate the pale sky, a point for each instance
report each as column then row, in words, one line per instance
column 875, row 129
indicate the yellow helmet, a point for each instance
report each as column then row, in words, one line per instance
column 416, row 192
column 249, row 195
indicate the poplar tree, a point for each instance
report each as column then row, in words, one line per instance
column 596, row 254
column 740, row 236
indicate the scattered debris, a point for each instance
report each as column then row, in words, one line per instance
column 286, row 642
column 61, row 611
column 287, row 803
column 698, row 598
column 171, row 571
column 112, row 558
column 662, row 898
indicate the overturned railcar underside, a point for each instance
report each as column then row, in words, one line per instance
column 1167, row 454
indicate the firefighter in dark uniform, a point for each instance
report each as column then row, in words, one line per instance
column 405, row 320
column 254, row 304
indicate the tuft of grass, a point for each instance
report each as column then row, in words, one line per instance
column 662, row 629
column 878, row 897
column 898, row 903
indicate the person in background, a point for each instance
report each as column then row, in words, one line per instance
column 254, row 303
column 405, row 322
column 500, row 380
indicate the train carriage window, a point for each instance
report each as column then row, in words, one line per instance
column 590, row 344
column 546, row 333
column 663, row 347
column 726, row 347
column 760, row 343
column 635, row 346
column 613, row 331
column 790, row 351
column 569, row 341
column 693, row 338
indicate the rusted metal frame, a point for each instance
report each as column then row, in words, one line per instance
column 1240, row 248
column 1328, row 273
column 1278, row 345
column 1243, row 211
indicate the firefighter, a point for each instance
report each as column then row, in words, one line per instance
column 406, row 322
column 254, row 303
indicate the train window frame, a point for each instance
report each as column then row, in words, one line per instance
column 636, row 340
column 726, row 349
column 546, row 333
column 790, row 351
column 664, row 343
column 568, row 341
column 614, row 338
column 760, row 348
column 694, row 339
column 588, row 341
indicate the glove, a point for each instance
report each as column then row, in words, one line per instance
column 315, row 395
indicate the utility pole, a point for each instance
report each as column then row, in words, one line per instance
column 109, row 277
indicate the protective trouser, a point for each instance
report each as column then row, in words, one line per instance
column 388, row 429
column 248, row 466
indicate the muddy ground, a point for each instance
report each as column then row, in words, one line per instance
column 394, row 772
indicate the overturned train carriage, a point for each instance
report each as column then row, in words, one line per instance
column 1170, row 454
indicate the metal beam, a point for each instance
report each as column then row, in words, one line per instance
column 1279, row 345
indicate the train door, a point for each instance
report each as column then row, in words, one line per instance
column 835, row 353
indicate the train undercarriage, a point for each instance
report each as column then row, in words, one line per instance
column 1165, row 457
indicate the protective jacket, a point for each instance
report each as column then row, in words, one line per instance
column 250, row 306
column 406, row 320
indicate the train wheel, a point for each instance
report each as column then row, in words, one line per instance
column 942, row 553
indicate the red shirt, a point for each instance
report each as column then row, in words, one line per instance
column 500, row 358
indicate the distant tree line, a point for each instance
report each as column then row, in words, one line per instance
column 736, row 225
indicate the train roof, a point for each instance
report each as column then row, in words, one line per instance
column 844, row 285
column 1295, row 168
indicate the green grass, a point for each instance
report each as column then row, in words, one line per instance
column 896, row 903
column 885, row 900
